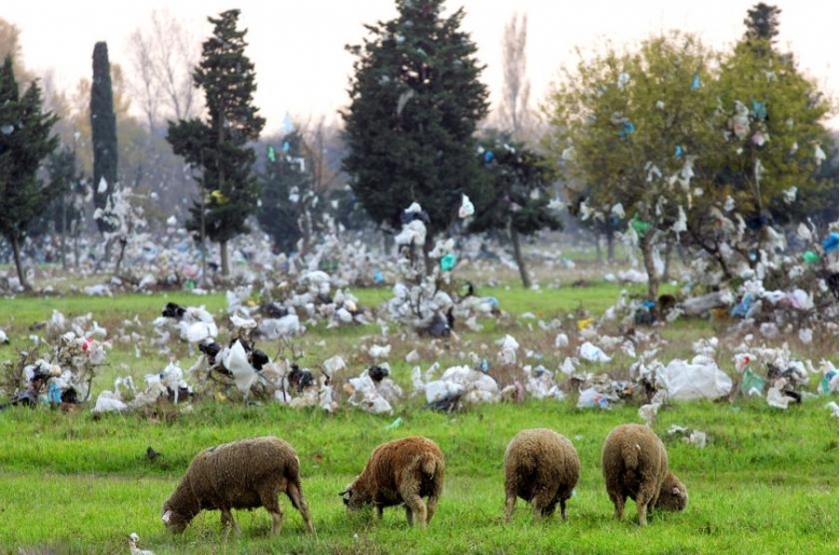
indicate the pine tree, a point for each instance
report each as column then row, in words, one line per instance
column 285, row 186
column 24, row 142
column 762, row 22
column 517, row 196
column 104, row 133
column 415, row 102
column 218, row 146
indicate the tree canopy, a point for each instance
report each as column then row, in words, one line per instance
column 683, row 143
column 415, row 101
column 219, row 145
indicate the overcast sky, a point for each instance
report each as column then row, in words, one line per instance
column 302, row 67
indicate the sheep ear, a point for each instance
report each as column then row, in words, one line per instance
column 676, row 491
column 345, row 492
column 166, row 517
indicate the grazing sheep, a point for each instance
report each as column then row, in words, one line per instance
column 542, row 467
column 402, row 471
column 243, row 474
column 635, row 465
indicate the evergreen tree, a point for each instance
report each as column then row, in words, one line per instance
column 24, row 142
column 762, row 22
column 218, row 146
column 516, row 195
column 415, row 100
column 285, row 188
column 104, row 133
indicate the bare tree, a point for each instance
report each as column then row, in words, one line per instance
column 163, row 56
column 145, row 86
column 516, row 88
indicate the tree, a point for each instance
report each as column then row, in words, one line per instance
column 218, row 146
column 517, row 194
column 632, row 127
column 162, row 58
column 24, row 142
column 63, row 214
column 415, row 100
column 286, row 193
column 762, row 23
column 516, row 88
column 770, row 142
column 103, row 131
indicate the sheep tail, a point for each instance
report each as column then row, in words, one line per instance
column 630, row 453
column 429, row 464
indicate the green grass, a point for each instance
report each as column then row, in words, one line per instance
column 767, row 482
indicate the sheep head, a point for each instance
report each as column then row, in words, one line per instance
column 673, row 495
column 175, row 521
column 353, row 497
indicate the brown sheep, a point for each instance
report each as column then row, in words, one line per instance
column 542, row 467
column 635, row 465
column 402, row 471
column 243, row 474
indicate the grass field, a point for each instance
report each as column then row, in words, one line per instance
column 766, row 482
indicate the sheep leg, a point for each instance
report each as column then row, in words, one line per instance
column 268, row 499
column 409, row 515
column 417, row 507
column 431, row 504
column 295, row 495
column 543, row 504
column 645, row 499
column 618, row 501
column 228, row 522
column 563, row 508
column 510, row 504
column 379, row 509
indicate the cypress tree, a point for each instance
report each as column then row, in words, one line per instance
column 103, row 124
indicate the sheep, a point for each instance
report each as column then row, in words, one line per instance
column 542, row 467
column 243, row 474
column 635, row 465
column 402, row 471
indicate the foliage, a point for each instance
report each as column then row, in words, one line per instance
column 774, row 149
column 630, row 127
column 518, row 192
column 103, row 123
column 287, row 199
column 24, row 142
column 63, row 214
column 218, row 146
column 762, row 22
column 687, row 143
column 415, row 100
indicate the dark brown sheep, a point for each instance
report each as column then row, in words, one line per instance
column 635, row 465
column 542, row 467
column 403, row 471
column 243, row 474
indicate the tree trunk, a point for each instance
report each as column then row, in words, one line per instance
column 63, row 231
column 610, row 245
column 223, row 253
column 15, row 241
column 123, row 243
column 598, row 252
column 647, row 255
column 427, row 248
column 517, row 255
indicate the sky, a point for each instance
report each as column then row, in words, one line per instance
column 303, row 70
